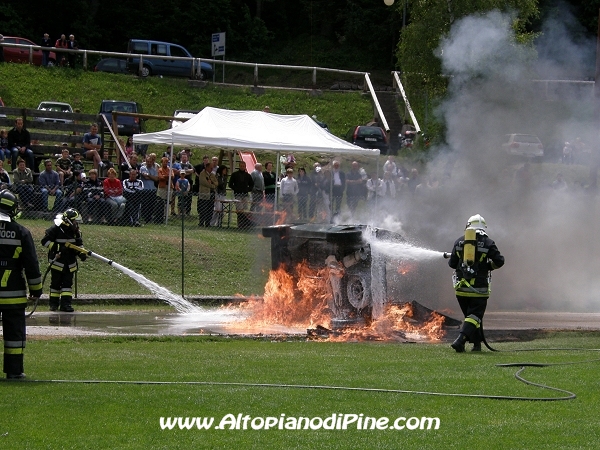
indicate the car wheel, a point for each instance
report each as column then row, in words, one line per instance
column 51, row 63
column 146, row 72
column 203, row 75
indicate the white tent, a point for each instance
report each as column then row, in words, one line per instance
column 253, row 130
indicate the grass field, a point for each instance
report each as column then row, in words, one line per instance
column 127, row 416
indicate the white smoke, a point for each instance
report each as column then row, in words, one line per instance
column 548, row 237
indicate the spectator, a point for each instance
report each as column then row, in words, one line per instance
column 113, row 194
column 126, row 166
column 215, row 164
column 270, row 183
column 46, row 43
column 220, row 194
column 390, row 166
column 316, row 178
column 289, row 190
column 93, row 193
column 4, row 177
column 129, row 146
column 133, row 189
column 61, row 57
column 92, row 143
column 72, row 45
column 413, row 180
column 355, row 187
column 375, row 189
column 567, row 154
column 241, row 183
column 105, row 164
column 304, row 188
column 389, row 185
column 73, row 190
column 5, row 152
column 149, row 176
column 339, row 185
column 290, row 161
column 258, row 190
column 19, row 142
column 165, row 185
column 183, row 191
column 23, row 181
column 197, row 169
column 206, row 195
column 77, row 163
column 559, row 183
column 50, row 185
column 186, row 166
column 64, row 166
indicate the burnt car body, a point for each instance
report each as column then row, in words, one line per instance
column 345, row 250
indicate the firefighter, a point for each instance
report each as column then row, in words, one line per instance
column 62, row 259
column 17, row 253
column 473, row 257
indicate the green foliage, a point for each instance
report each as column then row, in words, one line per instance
column 127, row 416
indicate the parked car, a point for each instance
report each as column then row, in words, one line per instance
column 183, row 113
column 127, row 125
column 368, row 137
column 528, row 145
column 111, row 65
column 54, row 107
column 21, row 54
column 167, row 65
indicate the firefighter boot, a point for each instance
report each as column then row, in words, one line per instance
column 476, row 340
column 459, row 343
column 65, row 303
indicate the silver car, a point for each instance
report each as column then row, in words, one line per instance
column 54, row 107
column 528, row 145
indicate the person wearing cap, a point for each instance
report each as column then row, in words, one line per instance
column 473, row 257
column 183, row 191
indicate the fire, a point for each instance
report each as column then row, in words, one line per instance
column 405, row 267
column 300, row 297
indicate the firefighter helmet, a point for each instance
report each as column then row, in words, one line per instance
column 476, row 222
column 70, row 219
column 8, row 203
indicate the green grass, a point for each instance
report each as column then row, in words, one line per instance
column 127, row 416
column 24, row 86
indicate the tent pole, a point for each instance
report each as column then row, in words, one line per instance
column 169, row 183
column 276, row 193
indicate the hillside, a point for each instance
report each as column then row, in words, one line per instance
column 26, row 86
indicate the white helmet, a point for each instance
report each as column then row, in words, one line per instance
column 476, row 222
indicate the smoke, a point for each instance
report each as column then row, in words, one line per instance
column 548, row 237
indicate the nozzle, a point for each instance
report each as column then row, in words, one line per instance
column 446, row 255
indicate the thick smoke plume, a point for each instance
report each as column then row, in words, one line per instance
column 549, row 237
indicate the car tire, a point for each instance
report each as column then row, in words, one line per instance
column 203, row 75
column 51, row 63
column 146, row 71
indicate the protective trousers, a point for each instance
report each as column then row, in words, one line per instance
column 61, row 288
column 473, row 308
column 13, row 328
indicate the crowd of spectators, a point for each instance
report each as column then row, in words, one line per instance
column 147, row 188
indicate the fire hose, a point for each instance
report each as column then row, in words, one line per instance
column 447, row 255
column 78, row 249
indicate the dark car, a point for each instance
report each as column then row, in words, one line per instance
column 128, row 125
column 111, row 65
column 368, row 137
column 21, row 54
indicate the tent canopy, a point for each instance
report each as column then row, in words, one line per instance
column 253, row 130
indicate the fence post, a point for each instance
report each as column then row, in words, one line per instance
column 314, row 78
column 256, row 75
column 140, row 65
column 85, row 60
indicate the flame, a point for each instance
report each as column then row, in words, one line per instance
column 405, row 267
column 300, row 298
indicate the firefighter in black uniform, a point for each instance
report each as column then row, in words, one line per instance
column 17, row 253
column 62, row 259
column 473, row 257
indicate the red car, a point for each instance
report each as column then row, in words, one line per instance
column 21, row 55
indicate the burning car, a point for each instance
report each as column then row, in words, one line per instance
column 355, row 275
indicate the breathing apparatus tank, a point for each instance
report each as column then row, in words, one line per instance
column 469, row 246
